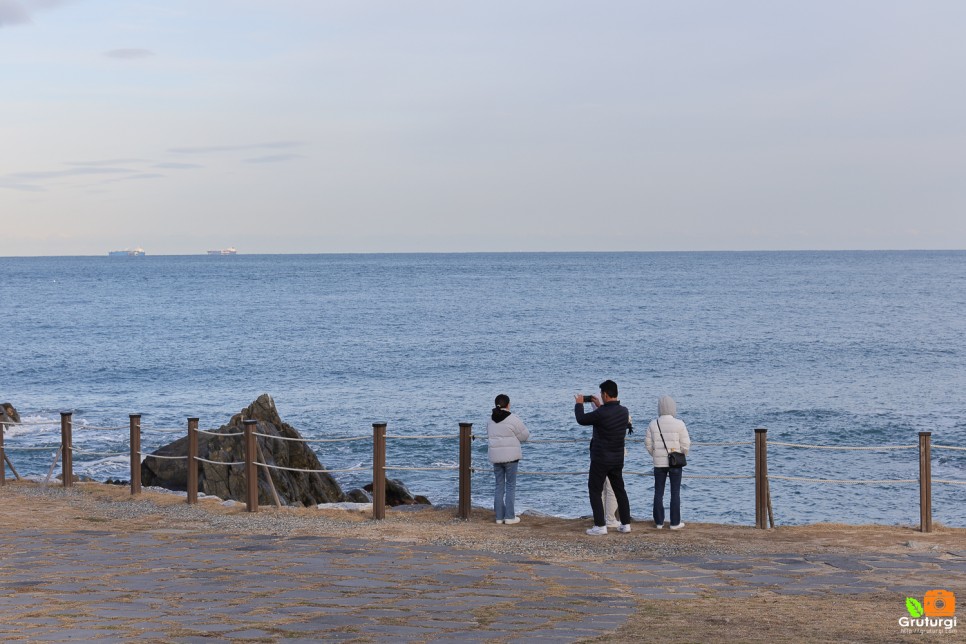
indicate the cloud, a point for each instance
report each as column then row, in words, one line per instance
column 136, row 177
column 106, row 162
column 172, row 165
column 23, row 187
column 274, row 158
column 18, row 12
column 70, row 172
column 129, row 54
column 273, row 145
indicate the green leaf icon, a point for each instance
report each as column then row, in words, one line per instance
column 914, row 607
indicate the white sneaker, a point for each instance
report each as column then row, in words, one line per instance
column 658, row 527
column 511, row 521
column 613, row 524
column 499, row 520
column 625, row 528
column 678, row 526
column 597, row 530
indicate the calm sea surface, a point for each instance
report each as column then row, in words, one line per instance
column 828, row 348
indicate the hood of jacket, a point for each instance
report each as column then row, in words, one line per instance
column 499, row 415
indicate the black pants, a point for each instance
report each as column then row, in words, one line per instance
column 595, row 485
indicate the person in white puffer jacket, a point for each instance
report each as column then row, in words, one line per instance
column 504, row 433
column 676, row 438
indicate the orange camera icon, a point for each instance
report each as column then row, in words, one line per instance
column 939, row 603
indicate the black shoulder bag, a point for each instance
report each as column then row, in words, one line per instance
column 674, row 459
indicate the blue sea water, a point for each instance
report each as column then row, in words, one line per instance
column 828, row 348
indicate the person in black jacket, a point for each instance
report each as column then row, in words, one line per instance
column 610, row 421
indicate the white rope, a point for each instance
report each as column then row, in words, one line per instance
column 949, row 482
column 84, row 451
column 425, row 437
column 294, row 469
column 961, row 449
column 808, row 480
column 170, row 430
column 316, row 440
column 205, row 460
column 873, row 448
column 169, row 458
column 422, row 469
column 214, row 433
column 723, row 444
column 562, row 440
column 700, row 476
column 99, row 428
column 8, row 448
column 33, row 423
column 554, row 473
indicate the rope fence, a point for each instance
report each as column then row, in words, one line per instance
column 255, row 459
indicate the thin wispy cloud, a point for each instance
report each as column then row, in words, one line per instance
column 275, row 158
column 136, row 177
column 129, row 54
column 107, row 162
column 22, row 187
column 19, row 12
column 211, row 149
column 69, row 172
column 173, row 165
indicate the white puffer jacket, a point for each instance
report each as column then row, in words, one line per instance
column 675, row 435
column 504, row 439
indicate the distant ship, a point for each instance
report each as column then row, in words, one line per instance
column 224, row 251
column 137, row 252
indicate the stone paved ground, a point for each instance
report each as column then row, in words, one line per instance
column 186, row 586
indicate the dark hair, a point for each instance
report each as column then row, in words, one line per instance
column 502, row 401
column 609, row 387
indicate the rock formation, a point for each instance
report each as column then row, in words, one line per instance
column 398, row 494
column 8, row 414
column 228, row 481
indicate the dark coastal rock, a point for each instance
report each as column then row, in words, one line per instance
column 398, row 494
column 228, row 481
column 8, row 414
column 358, row 495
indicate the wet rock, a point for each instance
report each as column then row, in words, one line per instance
column 358, row 495
column 8, row 414
column 398, row 494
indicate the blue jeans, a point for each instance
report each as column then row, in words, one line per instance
column 661, row 474
column 506, row 489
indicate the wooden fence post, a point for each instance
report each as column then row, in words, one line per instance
column 67, row 445
column 192, row 461
column 925, row 481
column 135, row 453
column 466, row 470
column 251, row 472
column 761, row 478
column 379, row 471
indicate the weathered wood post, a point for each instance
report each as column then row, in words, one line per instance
column 466, row 470
column 379, row 471
column 135, row 453
column 67, row 446
column 251, row 473
column 3, row 457
column 761, row 478
column 192, row 461
column 925, row 481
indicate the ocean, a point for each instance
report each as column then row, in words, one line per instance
column 826, row 348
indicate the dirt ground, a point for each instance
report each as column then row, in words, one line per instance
column 764, row 617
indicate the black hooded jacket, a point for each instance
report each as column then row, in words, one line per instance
column 610, row 422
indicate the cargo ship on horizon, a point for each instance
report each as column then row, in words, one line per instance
column 127, row 252
column 224, row 251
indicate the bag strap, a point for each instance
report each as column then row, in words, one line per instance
column 662, row 436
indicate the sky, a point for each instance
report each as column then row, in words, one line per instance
column 318, row 126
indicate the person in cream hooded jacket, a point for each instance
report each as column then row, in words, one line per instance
column 676, row 437
column 505, row 432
